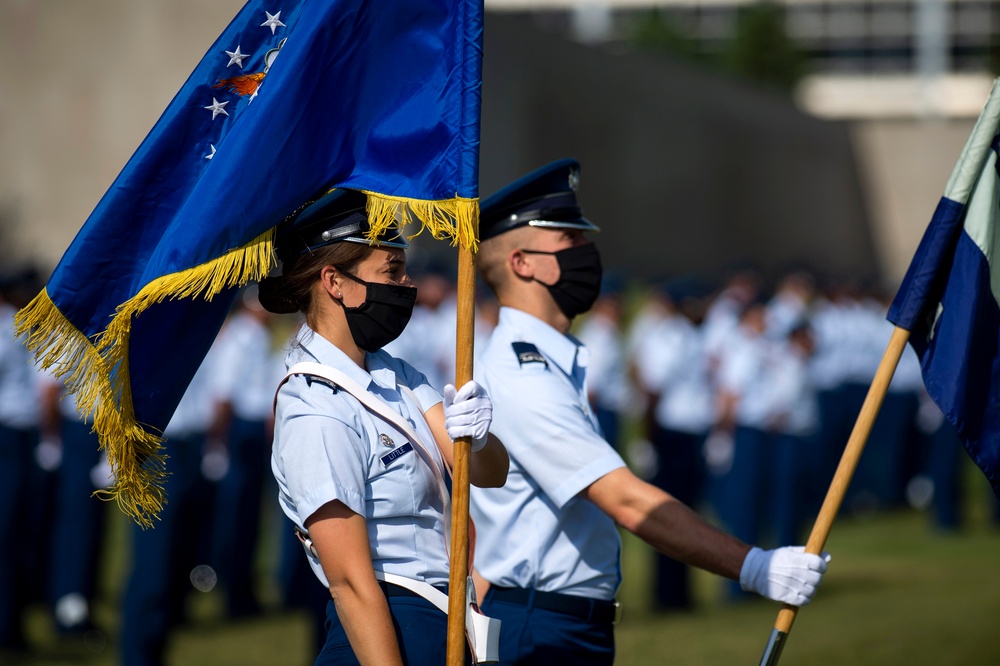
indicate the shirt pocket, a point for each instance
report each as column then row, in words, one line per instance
column 401, row 482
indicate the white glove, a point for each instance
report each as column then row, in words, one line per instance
column 468, row 413
column 789, row 575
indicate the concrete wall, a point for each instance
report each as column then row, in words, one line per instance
column 905, row 165
column 81, row 85
column 685, row 170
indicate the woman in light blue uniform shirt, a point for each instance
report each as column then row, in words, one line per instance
column 371, row 501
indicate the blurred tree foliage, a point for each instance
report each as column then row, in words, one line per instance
column 656, row 31
column 761, row 49
column 993, row 58
column 758, row 49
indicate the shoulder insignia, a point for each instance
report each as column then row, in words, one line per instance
column 528, row 353
column 310, row 379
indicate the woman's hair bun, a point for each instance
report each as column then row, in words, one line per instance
column 274, row 295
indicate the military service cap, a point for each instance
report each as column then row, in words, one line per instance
column 545, row 197
column 337, row 216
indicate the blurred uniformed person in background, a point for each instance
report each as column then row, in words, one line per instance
column 20, row 418
column 674, row 374
column 425, row 339
column 609, row 391
column 548, row 550
column 164, row 557
column 744, row 410
column 247, row 371
column 793, row 426
column 80, row 518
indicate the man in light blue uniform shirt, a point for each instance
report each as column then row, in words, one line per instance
column 548, row 551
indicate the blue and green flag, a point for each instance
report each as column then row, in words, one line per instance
column 950, row 297
column 294, row 98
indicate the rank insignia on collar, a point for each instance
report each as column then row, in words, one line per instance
column 386, row 440
column 528, row 353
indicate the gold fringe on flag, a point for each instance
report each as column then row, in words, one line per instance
column 455, row 220
column 63, row 350
column 97, row 371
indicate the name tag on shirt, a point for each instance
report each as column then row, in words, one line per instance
column 391, row 457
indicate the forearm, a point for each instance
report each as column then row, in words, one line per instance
column 667, row 524
column 675, row 530
column 784, row 574
column 341, row 540
column 488, row 467
column 364, row 614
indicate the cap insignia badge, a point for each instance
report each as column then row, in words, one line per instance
column 574, row 179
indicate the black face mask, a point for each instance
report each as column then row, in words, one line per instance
column 579, row 278
column 382, row 317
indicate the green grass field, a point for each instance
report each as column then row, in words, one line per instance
column 897, row 593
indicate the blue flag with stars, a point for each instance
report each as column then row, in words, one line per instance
column 950, row 297
column 294, row 97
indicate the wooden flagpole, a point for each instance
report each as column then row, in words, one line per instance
column 465, row 329
column 841, row 479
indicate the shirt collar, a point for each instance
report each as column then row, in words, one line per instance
column 327, row 353
column 562, row 349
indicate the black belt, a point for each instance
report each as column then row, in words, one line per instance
column 592, row 610
column 393, row 590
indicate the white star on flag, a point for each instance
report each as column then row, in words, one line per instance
column 272, row 22
column 237, row 58
column 217, row 107
column 211, row 154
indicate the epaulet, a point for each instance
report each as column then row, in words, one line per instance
column 310, row 379
column 528, row 353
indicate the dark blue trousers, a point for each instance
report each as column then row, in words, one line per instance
column 944, row 464
column 759, row 498
column 741, row 490
column 535, row 637
column 889, row 457
column 421, row 631
column 162, row 558
column 784, row 511
column 238, row 516
column 839, row 409
column 78, row 533
column 680, row 472
column 17, row 541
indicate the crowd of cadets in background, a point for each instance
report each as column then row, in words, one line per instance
column 737, row 397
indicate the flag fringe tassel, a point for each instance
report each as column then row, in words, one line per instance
column 455, row 220
column 96, row 371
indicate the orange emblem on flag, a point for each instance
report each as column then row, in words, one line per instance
column 245, row 84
